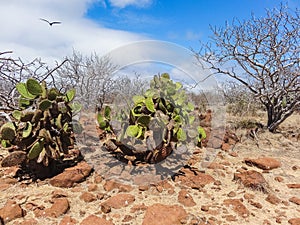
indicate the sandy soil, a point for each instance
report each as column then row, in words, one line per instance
column 209, row 208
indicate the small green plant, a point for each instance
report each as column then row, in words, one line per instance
column 42, row 127
column 104, row 118
column 162, row 118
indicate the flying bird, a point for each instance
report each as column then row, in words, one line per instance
column 50, row 23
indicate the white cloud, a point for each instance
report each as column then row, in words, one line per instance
column 28, row 37
column 180, row 61
column 191, row 35
column 125, row 3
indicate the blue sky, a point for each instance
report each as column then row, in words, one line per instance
column 102, row 25
column 184, row 22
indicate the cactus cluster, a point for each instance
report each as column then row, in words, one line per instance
column 42, row 127
column 160, row 120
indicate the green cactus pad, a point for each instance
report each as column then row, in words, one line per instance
column 27, row 130
column 45, row 104
column 137, row 99
column 44, row 89
column 107, row 111
column 101, row 121
column 24, row 103
column 17, row 114
column 58, row 122
column 144, row 120
column 189, row 107
column 202, row 133
column 104, row 122
column 178, row 86
column 70, row 95
column 34, row 87
column 181, row 135
column 165, row 76
column 5, row 143
column 8, row 131
column 36, row 149
column 150, row 104
column 133, row 130
column 191, row 119
column 136, row 111
column 22, row 89
column 65, row 127
column 151, row 93
column 53, row 94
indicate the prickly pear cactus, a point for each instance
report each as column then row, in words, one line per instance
column 159, row 121
column 42, row 126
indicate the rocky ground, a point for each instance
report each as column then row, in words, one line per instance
column 253, row 181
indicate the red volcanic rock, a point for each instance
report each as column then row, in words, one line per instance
column 60, row 206
column 30, row 222
column 294, row 221
column 237, row 206
column 88, row 197
column 119, row 201
column 205, row 208
column 230, row 137
column 164, row 186
column 295, row 200
column 265, row 163
column 273, row 199
column 186, row 199
column 194, row 178
column 111, row 184
column 293, row 185
column 279, row 179
column 226, row 147
column 92, row 219
column 92, row 187
column 141, row 207
column 255, row 204
column 72, row 175
column 105, row 208
column 214, row 165
column 160, row 214
column 11, row 211
column 67, row 220
column 252, row 179
column 6, row 182
column 14, row 159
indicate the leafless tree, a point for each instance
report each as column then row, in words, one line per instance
column 126, row 86
column 90, row 76
column 97, row 81
column 13, row 71
column 264, row 55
